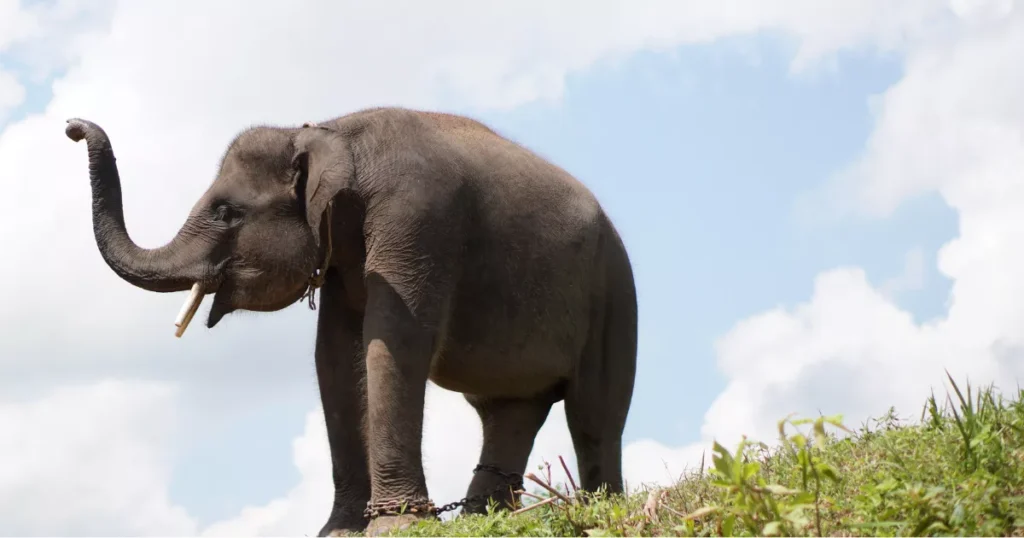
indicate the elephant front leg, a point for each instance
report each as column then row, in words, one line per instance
column 399, row 347
column 341, row 374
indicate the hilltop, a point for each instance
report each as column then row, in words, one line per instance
column 956, row 470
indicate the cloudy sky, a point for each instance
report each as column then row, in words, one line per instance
column 823, row 202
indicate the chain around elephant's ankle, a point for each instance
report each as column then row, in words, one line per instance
column 395, row 507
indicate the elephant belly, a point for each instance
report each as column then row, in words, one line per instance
column 483, row 370
column 513, row 340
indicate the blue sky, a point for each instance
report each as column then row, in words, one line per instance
column 701, row 153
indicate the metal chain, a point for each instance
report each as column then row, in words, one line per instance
column 391, row 507
column 515, row 481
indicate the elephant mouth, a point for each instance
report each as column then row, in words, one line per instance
column 220, row 308
column 235, row 290
column 230, row 274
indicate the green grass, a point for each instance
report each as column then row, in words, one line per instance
column 958, row 470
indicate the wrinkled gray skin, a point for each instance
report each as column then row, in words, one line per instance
column 458, row 256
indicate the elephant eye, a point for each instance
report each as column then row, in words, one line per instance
column 223, row 213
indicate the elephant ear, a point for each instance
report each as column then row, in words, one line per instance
column 324, row 164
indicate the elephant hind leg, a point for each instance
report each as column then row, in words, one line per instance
column 598, row 444
column 598, row 396
column 510, row 427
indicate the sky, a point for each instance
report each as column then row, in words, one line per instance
column 821, row 202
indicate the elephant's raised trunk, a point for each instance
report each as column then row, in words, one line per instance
column 176, row 266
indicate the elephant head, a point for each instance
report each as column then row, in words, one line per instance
column 254, row 237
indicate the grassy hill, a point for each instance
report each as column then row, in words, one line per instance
column 958, row 470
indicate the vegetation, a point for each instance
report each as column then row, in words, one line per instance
column 959, row 470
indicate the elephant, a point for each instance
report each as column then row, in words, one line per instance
column 442, row 251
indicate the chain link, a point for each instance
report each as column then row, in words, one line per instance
column 393, row 507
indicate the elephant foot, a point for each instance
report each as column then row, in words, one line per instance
column 385, row 524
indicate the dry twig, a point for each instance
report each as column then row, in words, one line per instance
column 531, row 495
column 548, row 487
column 572, row 482
column 538, row 504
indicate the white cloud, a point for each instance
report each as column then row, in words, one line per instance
column 977, row 10
column 171, row 103
column 90, row 460
column 849, row 349
column 46, row 37
column 954, row 124
column 16, row 23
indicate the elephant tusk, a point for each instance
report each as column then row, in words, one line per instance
column 195, row 298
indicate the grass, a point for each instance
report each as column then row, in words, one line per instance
column 959, row 470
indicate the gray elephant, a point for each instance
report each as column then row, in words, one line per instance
column 442, row 251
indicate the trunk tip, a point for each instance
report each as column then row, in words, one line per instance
column 77, row 128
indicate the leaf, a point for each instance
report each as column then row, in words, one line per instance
column 958, row 514
column 933, row 491
column 598, row 532
column 773, row 528
column 722, row 460
column 728, row 524
column 751, row 469
column 837, row 421
column 782, row 426
column 924, row 526
column 737, row 470
column 819, row 433
column 701, row 512
column 804, row 497
column 776, row 489
column 827, row 471
column 797, row 517
column 887, row 485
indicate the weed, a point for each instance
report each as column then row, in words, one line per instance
column 958, row 471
